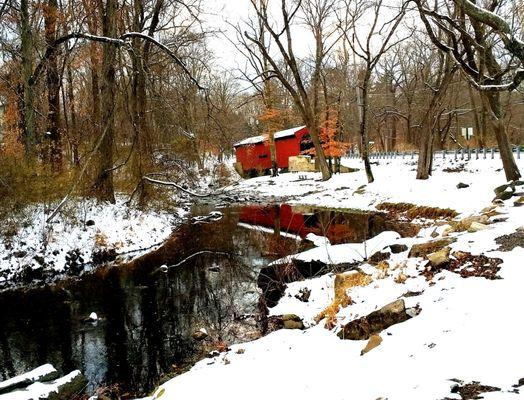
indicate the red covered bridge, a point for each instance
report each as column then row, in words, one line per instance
column 254, row 155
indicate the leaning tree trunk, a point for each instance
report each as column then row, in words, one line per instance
column 54, row 148
column 508, row 161
column 103, row 186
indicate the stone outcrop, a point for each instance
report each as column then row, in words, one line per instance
column 374, row 323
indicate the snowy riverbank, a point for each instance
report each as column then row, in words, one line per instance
column 82, row 232
column 466, row 328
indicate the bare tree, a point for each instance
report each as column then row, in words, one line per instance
column 307, row 99
column 54, row 151
column 489, row 52
column 363, row 48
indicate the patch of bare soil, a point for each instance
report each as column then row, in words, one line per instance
column 458, row 168
column 472, row 390
column 467, row 265
column 509, row 242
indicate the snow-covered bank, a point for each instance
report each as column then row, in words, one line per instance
column 468, row 330
column 81, row 232
column 394, row 181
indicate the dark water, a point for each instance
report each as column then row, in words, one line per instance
column 148, row 317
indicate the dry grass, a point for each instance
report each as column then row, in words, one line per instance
column 343, row 283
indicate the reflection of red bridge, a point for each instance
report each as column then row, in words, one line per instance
column 338, row 227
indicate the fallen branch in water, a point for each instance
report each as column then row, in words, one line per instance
column 165, row 268
column 148, row 179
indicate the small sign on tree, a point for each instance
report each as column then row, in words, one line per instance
column 467, row 132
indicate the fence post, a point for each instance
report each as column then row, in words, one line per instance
column 476, row 154
column 518, row 153
column 456, row 154
column 443, row 154
column 412, row 154
column 469, row 154
column 492, row 153
column 484, row 152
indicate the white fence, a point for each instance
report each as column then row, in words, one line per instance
column 457, row 154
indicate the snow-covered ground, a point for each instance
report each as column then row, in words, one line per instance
column 86, row 227
column 469, row 329
column 394, row 181
column 83, row 228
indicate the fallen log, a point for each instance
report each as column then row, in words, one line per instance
column 67, row 387
column 44, row 373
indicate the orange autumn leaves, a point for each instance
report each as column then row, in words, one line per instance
column 329, row 131
column 329, row 137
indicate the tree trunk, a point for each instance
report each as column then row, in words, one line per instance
column 425, row 156
column 73, row 133
column 92, row 26
column 364, row 140
column 54, row 148
column 429, row 121
column 319, row 151
column 273, row 153
column 28, row 113
column 103, row 186
column 476, row 118
column 508, row 161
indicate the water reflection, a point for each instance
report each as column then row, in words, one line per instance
column 350, row 226
column 147, row 317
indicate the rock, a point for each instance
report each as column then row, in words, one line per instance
column 303, row 294
column 465, row 223
column 439, row 257
column 90, row 222
column 373, row 342
column 477, row 226
column 101, row 256
column 20, row 253
column 462, row 185
column 200, row 334
column 374, row 323
column 504, row 188
column 423, row 249
column 506, row 195
column 378, row 257
column 292, row 321
column 398, row 248
column 39, row 259
column 519, row 202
